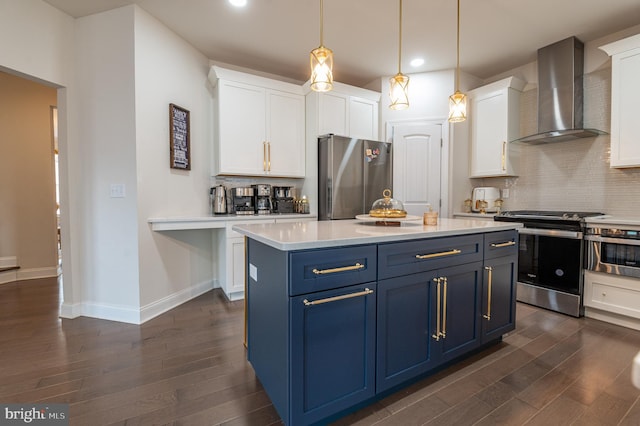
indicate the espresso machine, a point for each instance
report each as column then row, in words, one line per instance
column 243, row 200
column 282, row 199
column 262, row 198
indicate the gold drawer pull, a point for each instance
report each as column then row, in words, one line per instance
column 439, row 254
column 506, row 244
column 341, row 269
column 365, row 292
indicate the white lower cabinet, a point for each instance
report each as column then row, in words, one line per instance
column 232, row 255
column 612, row 298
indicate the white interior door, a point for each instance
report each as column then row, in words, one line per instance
column 417, row 156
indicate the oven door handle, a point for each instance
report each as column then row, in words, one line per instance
column 574, row 235
column 621, row 241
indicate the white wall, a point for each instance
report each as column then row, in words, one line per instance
column 174, row 266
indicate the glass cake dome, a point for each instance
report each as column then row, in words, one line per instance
column 387, row 207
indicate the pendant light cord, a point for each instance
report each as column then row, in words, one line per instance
column 458, row 51
column 400, row 41
column 322, row 23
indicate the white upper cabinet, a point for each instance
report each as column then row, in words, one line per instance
column 494, row 120
column 345, row 111
column 625, row 92
column 259, row 126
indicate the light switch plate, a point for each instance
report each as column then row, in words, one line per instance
column 505, row 193
column 117, row 190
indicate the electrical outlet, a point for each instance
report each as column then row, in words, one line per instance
column 505, row 193
column 117, row 190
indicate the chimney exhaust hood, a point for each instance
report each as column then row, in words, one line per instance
column 560, row 94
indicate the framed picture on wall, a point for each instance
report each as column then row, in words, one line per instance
column 179, row 144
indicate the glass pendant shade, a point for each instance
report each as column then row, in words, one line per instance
column 399, row 91
column 321, row 60
column 457, row 107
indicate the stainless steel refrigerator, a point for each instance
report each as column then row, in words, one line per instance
column 352, row 173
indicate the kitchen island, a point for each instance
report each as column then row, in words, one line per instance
column 340, row 313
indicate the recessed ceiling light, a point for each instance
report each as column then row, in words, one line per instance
column 238, row 3
column 417, row 62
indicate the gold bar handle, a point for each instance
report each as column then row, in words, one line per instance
column 439, row 254
column 504, row 156
column 365, row 292
column 437, row 334
column 264, row 156
column 341, row 269
column 490, row 280
column 444, row 309
column 269, row 156
column 505, row 244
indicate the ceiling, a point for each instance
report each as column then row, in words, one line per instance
column 275, row 36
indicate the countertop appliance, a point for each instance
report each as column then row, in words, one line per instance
column 243, row 201
column 262, row 198
column 560, row 94
column 218, row 196
column 485, row 193
column 282, row 199
column 550, row 258
column 352, row 173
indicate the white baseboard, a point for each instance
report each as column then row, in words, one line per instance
column 132, row 315
column 8, row 261
column 156, row 308
column 27, row 274
column 35, row 273
column 8, row 277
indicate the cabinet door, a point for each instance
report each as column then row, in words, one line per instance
column 498, row 297
column 406, row 324
column 285, row 134
column 460, row 307
column 332, row 351
column 625, row 91
column 363, row 118
column 488, row 134
column 333, row 114
column 241, row 133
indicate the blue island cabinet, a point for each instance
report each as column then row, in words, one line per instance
column 311, row 328
column 331, row 328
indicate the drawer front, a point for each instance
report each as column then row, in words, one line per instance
column 502, row 243
column 324, row 269
column 410, row 257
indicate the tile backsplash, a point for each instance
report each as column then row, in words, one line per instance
column 574, row 175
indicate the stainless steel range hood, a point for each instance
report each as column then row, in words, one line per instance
column 560, row 94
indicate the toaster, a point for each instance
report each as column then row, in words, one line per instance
column 487, row 193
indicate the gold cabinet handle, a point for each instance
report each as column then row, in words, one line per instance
column 437, row 334
column 439, row 254
column 264, row 156
column 444, row 309
column 269, row 156
column 341, row 269
column 504, row 156
column 505, row 244
column 364, row 292
column 490, row 280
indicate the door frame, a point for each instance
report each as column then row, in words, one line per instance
column 444, row 153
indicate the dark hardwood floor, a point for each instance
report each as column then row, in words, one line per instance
column 188, row 367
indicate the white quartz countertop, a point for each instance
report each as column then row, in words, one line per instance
column 617, row 221
column 332, row 233
column 177, row 223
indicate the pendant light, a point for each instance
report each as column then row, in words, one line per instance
column 458, row 101
column 399, row 83
column 321, row 60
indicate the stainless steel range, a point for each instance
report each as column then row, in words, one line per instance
column 551, row 258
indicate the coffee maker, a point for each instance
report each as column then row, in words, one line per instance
column 262, row 198
column 282, row 199
column 243, row 200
